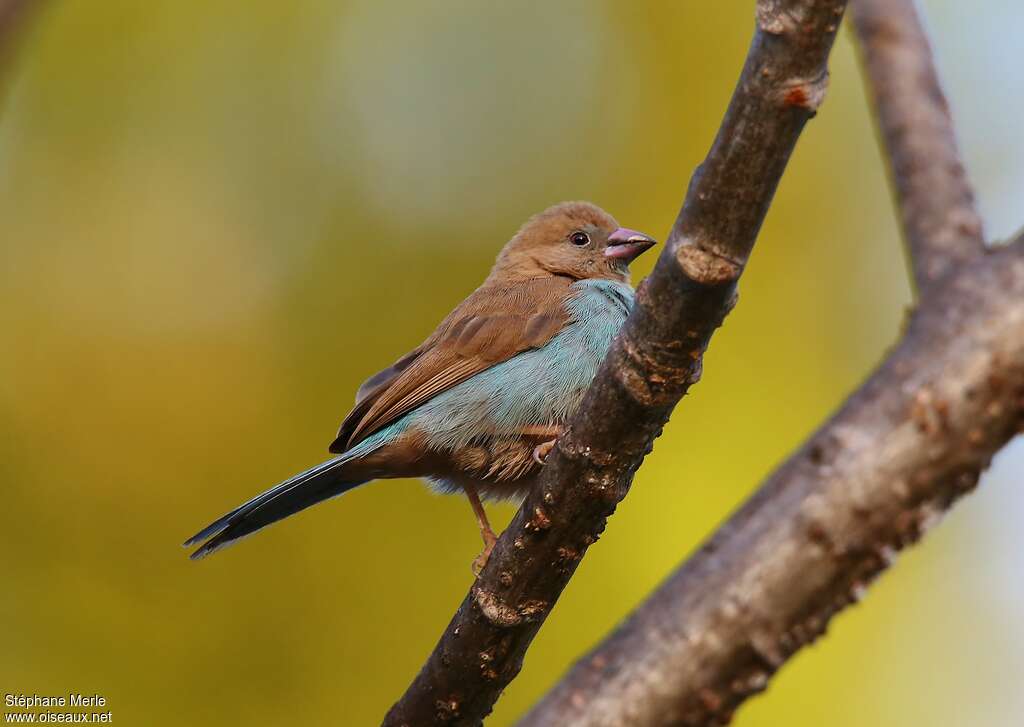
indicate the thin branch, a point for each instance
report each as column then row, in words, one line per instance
column 872, row 480
column 655, row 359
column 941, row 225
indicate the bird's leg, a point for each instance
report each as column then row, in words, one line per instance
column 542, row 450
column 485, row 528
column 550, row 433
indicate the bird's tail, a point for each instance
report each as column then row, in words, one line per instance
column 307, row 488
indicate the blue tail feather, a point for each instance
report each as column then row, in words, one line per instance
column 316, row 484
column 322, row 482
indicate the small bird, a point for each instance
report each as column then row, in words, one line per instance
column 477, row 406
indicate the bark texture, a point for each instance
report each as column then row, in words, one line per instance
column 873, row 479
column 652, row 363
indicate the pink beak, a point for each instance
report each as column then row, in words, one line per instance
column 626, row 244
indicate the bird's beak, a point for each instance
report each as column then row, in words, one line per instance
column 627, row 245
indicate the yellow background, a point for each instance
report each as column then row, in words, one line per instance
column 218, row 217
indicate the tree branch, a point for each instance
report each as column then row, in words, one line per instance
column 902, row 449
column 941, row 226
column 654, row 360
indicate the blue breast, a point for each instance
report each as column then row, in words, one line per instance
column 539, row 386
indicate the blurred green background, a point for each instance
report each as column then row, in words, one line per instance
column 217, row 218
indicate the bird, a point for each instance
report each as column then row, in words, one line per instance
column 477, row 407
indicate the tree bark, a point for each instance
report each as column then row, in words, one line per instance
column 872, row 480
column 652, row 363
column 903, row 448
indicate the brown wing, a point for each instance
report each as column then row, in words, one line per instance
column 368, row 393
column 492, row 325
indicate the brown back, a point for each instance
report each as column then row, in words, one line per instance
column 496, row 322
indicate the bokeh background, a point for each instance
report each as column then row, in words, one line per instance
column 218, row 216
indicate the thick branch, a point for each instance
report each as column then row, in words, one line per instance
column 902, row 449
column 651, row 365
column 912, row 440
column 940, row 223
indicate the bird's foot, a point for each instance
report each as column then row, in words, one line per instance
column 542, row 450
column 481, row 560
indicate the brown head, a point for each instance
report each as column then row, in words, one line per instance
column 575, row 239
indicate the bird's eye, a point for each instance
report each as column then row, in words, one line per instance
column 579, row 239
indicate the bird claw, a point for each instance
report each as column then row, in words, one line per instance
column 481, row 560
column 542, row 450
